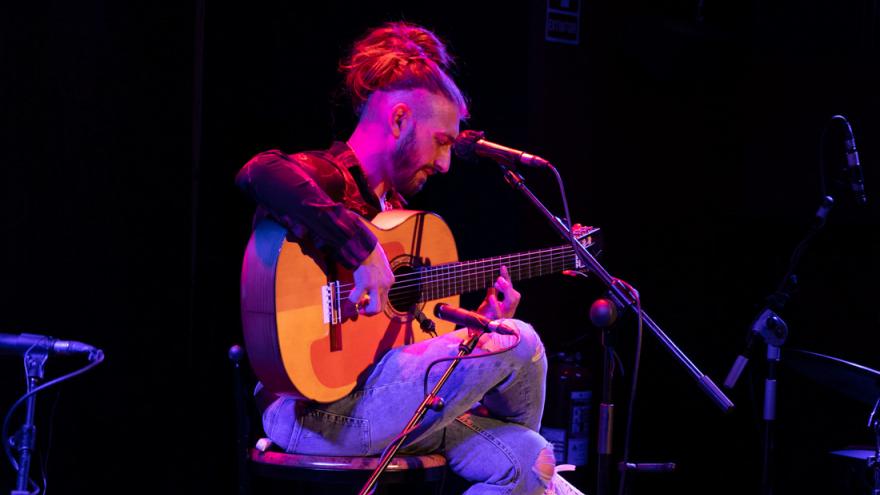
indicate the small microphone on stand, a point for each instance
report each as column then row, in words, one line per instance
column 27, row 342
column 853, row 168
column 471, row 319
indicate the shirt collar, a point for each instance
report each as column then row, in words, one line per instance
column 345, row 156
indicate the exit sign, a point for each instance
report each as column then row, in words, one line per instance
column 563, row 21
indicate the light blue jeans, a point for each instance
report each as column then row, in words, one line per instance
column 495, row 446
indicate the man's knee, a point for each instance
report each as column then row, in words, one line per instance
column 530, row 347
column 545, row 465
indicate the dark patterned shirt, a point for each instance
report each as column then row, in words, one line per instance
column 317, row 195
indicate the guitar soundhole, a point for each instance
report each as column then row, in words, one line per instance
column 406, row 291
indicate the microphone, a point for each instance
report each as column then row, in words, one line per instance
column 853, row 167
column 470, row 144
column 471, row 319
column 21, row 344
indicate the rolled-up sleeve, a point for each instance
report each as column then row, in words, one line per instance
column 294, row 199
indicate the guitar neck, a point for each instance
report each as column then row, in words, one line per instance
column 462, row 277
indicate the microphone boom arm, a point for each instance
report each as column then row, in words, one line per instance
column 517, row 182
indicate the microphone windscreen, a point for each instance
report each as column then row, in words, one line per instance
column 465, row 144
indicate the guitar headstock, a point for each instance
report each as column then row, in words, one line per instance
column 586, row 236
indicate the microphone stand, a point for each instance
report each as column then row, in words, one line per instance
column 774, row 331
column 624, row 301
column 431, row 401
column 603, row 315
column 874, row 460
column 34, row 365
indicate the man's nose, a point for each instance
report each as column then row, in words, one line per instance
column 441, row 164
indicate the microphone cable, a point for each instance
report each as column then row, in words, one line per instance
column 97, row 359
column 562, row 194
column 637, row 358
column 476, row 356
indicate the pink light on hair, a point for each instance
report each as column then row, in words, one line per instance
column 399, row 56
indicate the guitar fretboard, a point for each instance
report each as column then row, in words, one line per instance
column 450, row 279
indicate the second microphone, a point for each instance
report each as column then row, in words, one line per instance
column 471, row 319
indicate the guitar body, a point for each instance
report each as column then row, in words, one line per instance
column 294, row 347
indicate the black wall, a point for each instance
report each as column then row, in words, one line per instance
column 689, row 132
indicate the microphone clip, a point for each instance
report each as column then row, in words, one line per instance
column 771, row 328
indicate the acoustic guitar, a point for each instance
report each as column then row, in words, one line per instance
column 303, row 336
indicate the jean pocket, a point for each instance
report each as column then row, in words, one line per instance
column 326, row 433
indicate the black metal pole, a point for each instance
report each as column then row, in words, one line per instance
column 767, row 478
column 874, row 460
column 606, row 416
column 34, row 363
column 431, row 401
column 236, row 356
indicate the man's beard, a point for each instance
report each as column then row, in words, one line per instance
column 405, row 177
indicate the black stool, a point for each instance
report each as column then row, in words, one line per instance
column 260, row 462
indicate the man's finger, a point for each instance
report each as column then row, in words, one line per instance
column 375, row 303
column 356, row 294
column 502, row 284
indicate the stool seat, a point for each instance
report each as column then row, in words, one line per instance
column 346, row 469
column 260, row 463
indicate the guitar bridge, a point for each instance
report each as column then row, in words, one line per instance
column 330, row 303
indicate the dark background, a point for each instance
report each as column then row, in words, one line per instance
column 688, row 131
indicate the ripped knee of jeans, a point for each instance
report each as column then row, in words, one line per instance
column 545, row 465
column 530, row 345
column 539, row 352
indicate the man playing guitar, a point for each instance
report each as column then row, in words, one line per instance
column 409, row 111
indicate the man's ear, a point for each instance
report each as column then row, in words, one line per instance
column 399, row 117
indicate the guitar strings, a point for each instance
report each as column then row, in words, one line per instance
column 457, row 272
column 437, row 279
column 485, row 272
column 468, row 268
column 533, row 257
